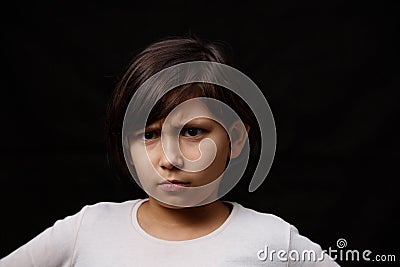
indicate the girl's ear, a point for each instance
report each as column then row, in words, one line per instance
column 238, row 136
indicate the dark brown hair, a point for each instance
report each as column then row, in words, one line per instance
column 151, row 60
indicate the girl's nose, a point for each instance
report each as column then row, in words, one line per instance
column 171, row 156
column 175, row 161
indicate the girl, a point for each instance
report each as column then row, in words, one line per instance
column 179, row 153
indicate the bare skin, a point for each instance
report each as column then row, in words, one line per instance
column 181, row 223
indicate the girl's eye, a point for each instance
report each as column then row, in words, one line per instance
column 149, row 135
column 191, row 132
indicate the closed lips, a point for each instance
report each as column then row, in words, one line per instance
column 176, row 182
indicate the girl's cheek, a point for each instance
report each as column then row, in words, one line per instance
column 191, row 151
column 145, row 169
column 149, row 158
column 141, row 156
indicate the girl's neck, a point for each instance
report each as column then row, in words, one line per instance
column 213, row 213
column 171, row 223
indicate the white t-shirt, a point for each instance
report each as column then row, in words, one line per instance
column 108, row 234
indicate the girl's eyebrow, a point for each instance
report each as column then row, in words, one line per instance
column 151, row 127
column 197, row 122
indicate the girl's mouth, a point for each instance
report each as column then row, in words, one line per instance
column 173, row 185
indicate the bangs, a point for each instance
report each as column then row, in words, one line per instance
column 173, row 98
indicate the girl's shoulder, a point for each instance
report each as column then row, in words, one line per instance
column 256, row 218
column 271, row 231
column 111, row 206
column 108, row 209
column 249, row 224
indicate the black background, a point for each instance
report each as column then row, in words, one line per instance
column 329, row 72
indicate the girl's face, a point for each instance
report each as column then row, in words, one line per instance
column 179, row 159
